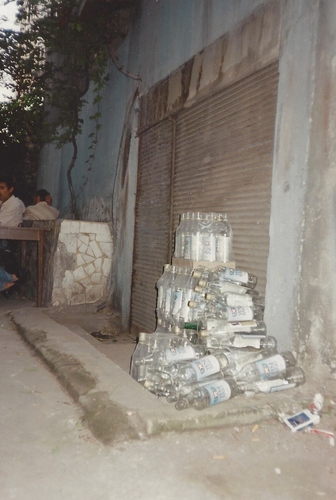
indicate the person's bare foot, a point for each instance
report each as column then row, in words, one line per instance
column 8, row 285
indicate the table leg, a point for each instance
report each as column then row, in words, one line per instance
column 40, row 258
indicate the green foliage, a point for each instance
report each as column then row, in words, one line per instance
column 51, row 63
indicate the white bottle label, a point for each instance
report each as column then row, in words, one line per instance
column 186, row 297
column 246, row 326
column 235, row 299
column 180, row 353
column 239, row 313
column 177, row 301
column 235, row 275
column 240, row 341
column 209, row 247
column 268, row 386
column 271, row 367
column 219, row 391
column 223, row 248
column 204, row 367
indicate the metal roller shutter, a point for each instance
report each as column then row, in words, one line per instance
column 223, row 163
column 152, row 227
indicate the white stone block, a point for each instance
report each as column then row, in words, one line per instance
column 84, row 238
column 89, row 269
column 77, row 288
column 89, row 250
column 58, row 296
column 78, row 299
column 96, row 278
column 106, row 268
column 94, row 293
column 79, row 273
column 88, row 258
column 70, row 226
column 68, row 280
column 98, row 264
column 103, row 233
column 92, row 236
column 106, row 248
column 95, row 248
column 70, row 242
column 87, row 227
column 86, row 281
column 80, row 260
column 82, row 248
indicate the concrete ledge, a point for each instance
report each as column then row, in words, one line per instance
column 118, row 408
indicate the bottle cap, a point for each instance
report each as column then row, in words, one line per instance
column 204, row 333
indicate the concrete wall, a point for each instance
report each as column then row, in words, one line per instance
column 165, row 35
column 301, row 267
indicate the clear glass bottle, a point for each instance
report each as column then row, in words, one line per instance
column 263, row 369
column 167, row 301
column 293, row 377
column 230, row 299
column 194, row 371
column 160, row 358
column 137, row 372
column 187, row 242
column 223, row 340
column 224, row 239
column 179, row 289
column 236, row 276
column 217, row 391
column 161, row 287
column 179, row 237
column 207, row 237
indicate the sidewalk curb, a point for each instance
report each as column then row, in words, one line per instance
column 116, row 407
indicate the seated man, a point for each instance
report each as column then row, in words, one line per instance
column 42, row 210
column 12, row 208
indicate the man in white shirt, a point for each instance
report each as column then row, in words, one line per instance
column 12, row 208
column 42, row 210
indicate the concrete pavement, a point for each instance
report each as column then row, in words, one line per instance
column 116, row 407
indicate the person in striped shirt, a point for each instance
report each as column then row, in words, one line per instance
column 42, row 210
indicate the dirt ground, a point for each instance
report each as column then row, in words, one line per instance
column 261, row 461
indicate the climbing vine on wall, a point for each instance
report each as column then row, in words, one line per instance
column 62, row 50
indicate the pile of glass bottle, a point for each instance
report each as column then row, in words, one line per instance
column 204, row 237
column 211, row 342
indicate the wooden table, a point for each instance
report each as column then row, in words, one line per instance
column 24, row 234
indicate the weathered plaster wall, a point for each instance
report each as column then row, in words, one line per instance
column 316, row 333
column 291, row 153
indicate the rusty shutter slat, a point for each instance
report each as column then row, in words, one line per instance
column 224, row 155
column 152, row 226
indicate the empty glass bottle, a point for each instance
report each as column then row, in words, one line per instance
column 236, row 276
column 193, row 371
column 224, row 237
column 217, row 391
column 163, row 357
column 293, row 377
column 268, row 367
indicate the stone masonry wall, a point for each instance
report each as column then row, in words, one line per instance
column 82, row 263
